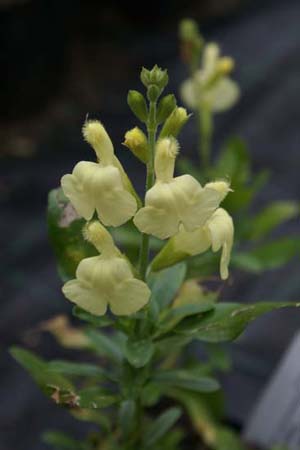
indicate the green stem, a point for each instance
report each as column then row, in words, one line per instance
column 151, row 128
column 205, row 125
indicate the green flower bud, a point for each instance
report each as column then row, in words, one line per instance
column 191, row 44
column 165, row 107
column 153, row 93
column 188, row 30
column 145, row 76
column 174, row 122
column 154, row 76
column 136, row 141
column 137, row 104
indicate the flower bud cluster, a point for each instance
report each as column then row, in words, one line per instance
column 155, row 80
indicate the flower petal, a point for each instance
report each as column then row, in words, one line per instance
column 223, row 95
column 222, row 187
column 158, row 222
column 116, row 207
column 221, row 230
column 191, row 242
column 113, row 203
column 75, row 187
column 188, row 92
column 198, row 203
column 180, row 200
column 85, row 297
column 129, row 297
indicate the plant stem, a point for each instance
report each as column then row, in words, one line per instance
column 151, row 128
column 205, row 125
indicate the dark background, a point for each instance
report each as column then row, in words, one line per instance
column 62, row 59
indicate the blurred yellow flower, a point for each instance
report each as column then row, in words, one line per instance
column 210, row 87
column 101, row 186
column 106, row 279
column 174, row 201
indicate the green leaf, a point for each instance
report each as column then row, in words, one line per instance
column 173, row 341
column 219, row 357
column 106, row 345
column 204, row 411
column 59, row 388
column 62, row 441
column 171, row 441
column 164, row 285
column 65, row 233
column 161, row 426
column 185, row 165
column 233, row 162
column 268, row 256
column 228, row 320
column 39, row 370
column 151, row 394
column 186, row 379
column 76, row 369
column 139, row 353
column 246, row 261
column 96, row 321
column 242, row 196
column 95, row 398
column 227, row 438
column 272, row 216
column 127, row 413
column 205, row 264
column 96, row 416
column 175, row 315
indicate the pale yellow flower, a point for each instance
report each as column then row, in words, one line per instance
column 210, row 87
column 101, row 186
column 174, row 201
column 216, row 233
column 106, row 280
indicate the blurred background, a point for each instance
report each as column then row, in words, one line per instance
column 62, row 59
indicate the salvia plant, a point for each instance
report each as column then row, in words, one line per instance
column 141, row 313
